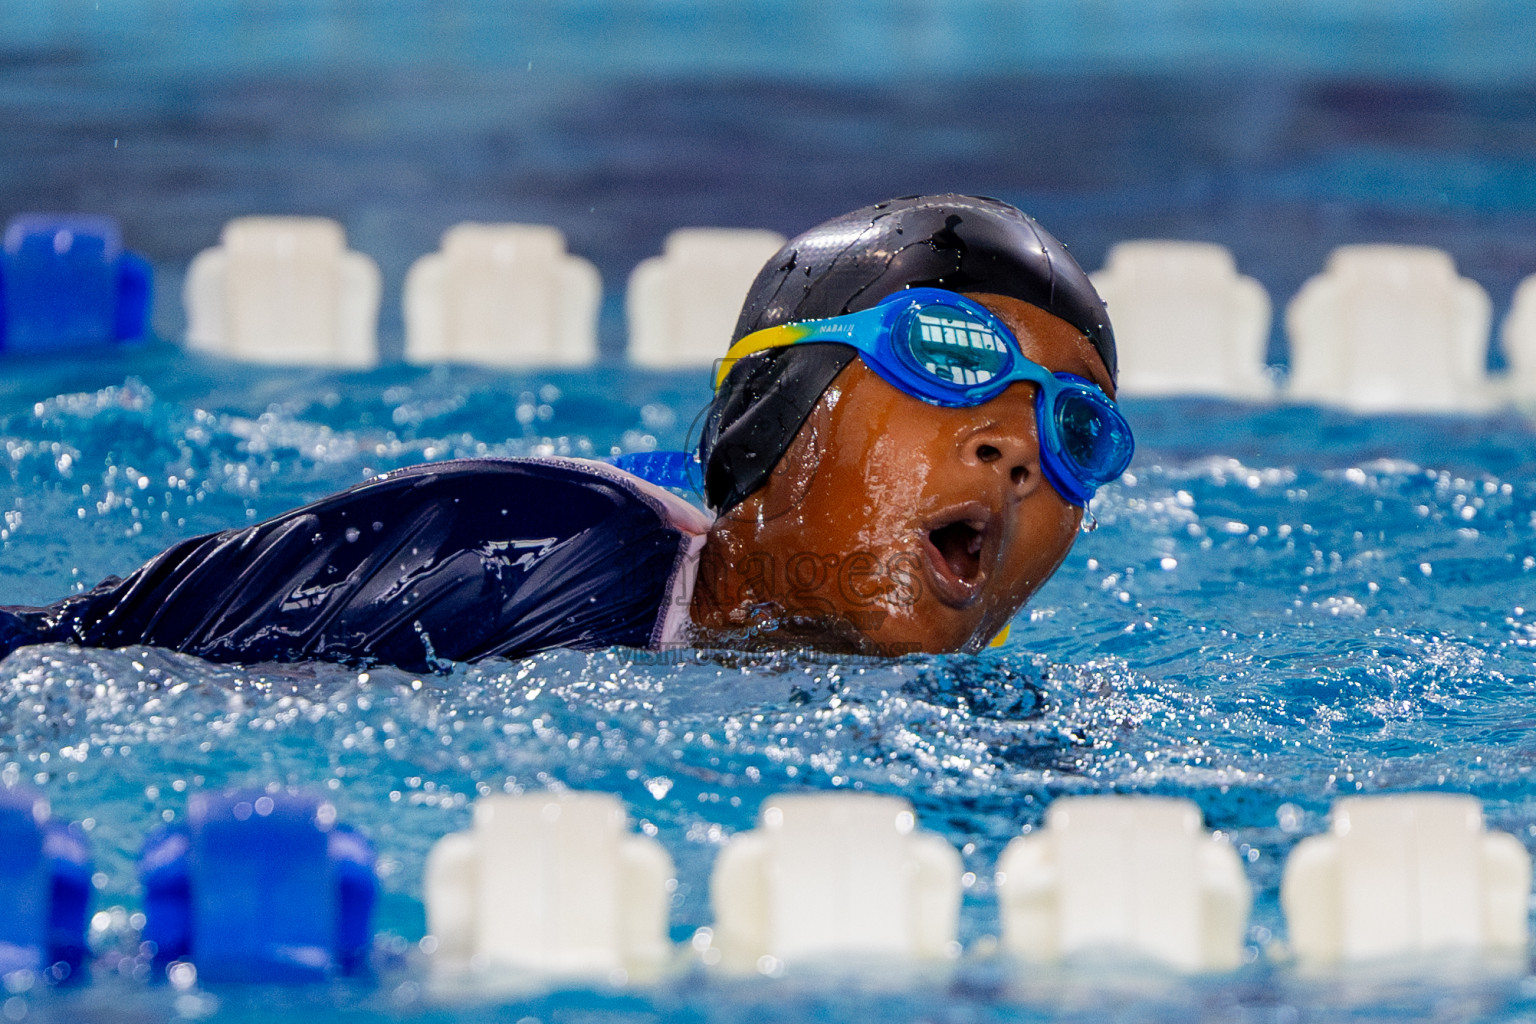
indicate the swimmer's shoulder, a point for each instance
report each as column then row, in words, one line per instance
column 447, row 561
column 513, row 483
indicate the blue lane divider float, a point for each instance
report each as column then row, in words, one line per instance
column 66, row 281
column 665, row 469
column 259, row 886
column 45, row 888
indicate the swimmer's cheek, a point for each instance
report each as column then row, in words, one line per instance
column 805, row 575
column 899, row 623
column 859, row 582
column 904, row 571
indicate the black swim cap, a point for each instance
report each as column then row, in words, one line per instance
column 849, row 263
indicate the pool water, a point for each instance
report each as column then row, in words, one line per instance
column 1279, row 606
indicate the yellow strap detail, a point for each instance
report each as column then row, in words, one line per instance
column 759, row 341
column 1002, row 637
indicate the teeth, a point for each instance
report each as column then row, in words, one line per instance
column 974, row 547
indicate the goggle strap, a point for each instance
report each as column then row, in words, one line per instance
column 781, row 336
column 843, row 330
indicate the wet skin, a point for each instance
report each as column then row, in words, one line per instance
column 892, row 525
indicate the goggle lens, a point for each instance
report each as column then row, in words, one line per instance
column 1094, row 436
column 942, row 348
column 956, row 347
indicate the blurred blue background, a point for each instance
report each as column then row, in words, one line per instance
column 1278, row 129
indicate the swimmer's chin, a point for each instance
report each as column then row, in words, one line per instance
column 767, row 627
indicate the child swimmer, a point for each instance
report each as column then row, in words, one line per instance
column 915, row 410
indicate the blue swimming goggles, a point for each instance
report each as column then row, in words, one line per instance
column 945, row 349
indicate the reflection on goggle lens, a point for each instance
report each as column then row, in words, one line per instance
column 955, row 347
column 1088, row 437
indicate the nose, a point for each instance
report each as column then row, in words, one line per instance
column 1011, row 451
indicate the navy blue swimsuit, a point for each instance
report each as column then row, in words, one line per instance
column 443, row 562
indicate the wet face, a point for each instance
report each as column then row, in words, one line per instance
column 894, row 525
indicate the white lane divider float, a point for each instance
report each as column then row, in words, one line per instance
column 551, row 883
column 1518, row 334
column 284, row 290
column 503, row 295
column 829, row 877
column 1128, row 876
column 1406, row 875
column 1390, row 328
column 682, row 305
column 1186, row 321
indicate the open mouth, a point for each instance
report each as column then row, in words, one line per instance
column 959, row 544
column 958, row 552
